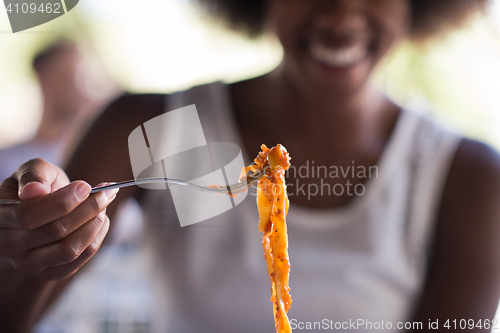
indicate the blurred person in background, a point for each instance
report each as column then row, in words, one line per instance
column 65, row 111
column 420, row 245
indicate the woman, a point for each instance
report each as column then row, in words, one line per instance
column 419, row 245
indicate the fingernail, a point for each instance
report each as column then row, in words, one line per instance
column 82, row 191
column 110, row 194
column 30, row 183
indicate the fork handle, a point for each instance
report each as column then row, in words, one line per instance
column 141, row 181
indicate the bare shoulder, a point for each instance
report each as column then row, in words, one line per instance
column 475, row 161
column 472, row 191
column 463, row 277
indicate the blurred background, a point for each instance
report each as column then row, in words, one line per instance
column 168, row 45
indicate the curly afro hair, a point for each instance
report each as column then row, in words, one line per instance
column 429, row 17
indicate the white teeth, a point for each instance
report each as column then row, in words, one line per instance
column 338, row 57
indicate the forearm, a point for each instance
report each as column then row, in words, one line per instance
column 23, row 298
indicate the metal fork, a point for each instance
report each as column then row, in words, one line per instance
column 241, row 186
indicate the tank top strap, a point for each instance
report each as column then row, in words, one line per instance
column 434, row 147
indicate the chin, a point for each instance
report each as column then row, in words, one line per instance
column 334, row 82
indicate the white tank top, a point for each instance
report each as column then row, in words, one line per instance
column 363, row 263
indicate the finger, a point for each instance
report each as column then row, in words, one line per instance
column 66, row 270
column 8, row 242
column 15, row 241
column 37, row 177
column 66, row 225
column 9, row 189
column 31, row 214
column 66, row 250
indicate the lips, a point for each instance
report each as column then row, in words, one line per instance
column 338, row 56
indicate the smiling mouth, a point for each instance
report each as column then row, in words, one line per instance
column 338, row 57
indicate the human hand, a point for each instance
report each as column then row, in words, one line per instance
column 57, row 227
